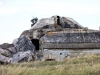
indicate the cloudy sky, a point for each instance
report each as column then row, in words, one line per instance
column 15, row 15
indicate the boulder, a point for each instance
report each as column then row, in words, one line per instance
column 23, row 56
column 23, row 44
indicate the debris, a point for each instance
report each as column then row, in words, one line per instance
column 23, row 56
column 4, row 59
column 23, row 44
column 5, row 52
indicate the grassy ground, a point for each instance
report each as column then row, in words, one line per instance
column 82, row 65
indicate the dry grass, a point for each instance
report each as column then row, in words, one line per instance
column 82, row 65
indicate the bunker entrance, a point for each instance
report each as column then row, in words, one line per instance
column 58, row 20
column 35, row 43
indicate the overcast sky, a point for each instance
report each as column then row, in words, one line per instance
column 15, row 15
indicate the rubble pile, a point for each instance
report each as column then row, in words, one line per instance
column 22, row 49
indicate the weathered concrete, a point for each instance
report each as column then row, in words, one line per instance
column 57, row 55
column 5, row 52
column 23, row 44
column 27, row 33
column 23, row 56
column 43, row 22
column 73, row 40
column 4, row 59
column 60, row 54
column 6, row 45
column 50, row 34
column 91, row 37
column 71, row 46
column 67, row 22
column 12, row 50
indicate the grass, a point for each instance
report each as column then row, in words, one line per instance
column 82, row 65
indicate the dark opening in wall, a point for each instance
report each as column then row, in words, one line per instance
column 36, row 43
column 60, row 53
column 58, row 20
column 50, row 59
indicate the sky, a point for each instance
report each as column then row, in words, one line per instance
column 15, row 15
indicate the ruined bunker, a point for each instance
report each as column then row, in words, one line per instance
column 55, row 37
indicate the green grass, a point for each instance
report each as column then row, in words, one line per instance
column 82, row 65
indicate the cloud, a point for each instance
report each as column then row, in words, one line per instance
column 54, row 7
column 63, row 7
column 8, row 11
column 0, row 2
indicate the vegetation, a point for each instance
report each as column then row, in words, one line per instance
column 82, row 65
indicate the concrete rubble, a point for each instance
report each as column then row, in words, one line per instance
column 49, row 38
column 23, row 56
column 22, row 50
column 23, row 44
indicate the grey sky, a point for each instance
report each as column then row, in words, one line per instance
column 15, row 15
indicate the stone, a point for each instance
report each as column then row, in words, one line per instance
column 12, row 50
column 23, row 56
column 67, row 22
column 54, row 54
column 23, row 50
column 56, row 22
column 23, row 44
column 43, row 22
column 6, row 45
column 5, row 52
column 4, row 59
column 27, row 33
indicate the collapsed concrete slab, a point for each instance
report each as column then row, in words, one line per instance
column 23, row 44
column 5, row 52
column 23, row 56
column 12, row 50
column 23, row 50
column 6, row 45
column 5, row 60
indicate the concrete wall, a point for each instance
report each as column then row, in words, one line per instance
column 71, row 40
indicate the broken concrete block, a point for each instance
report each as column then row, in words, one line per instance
column 43, row 22
column 23, row 44
column 12, row 50
column 4, row 59
column 23, row 56
column 6, row 45
column 5, row 52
